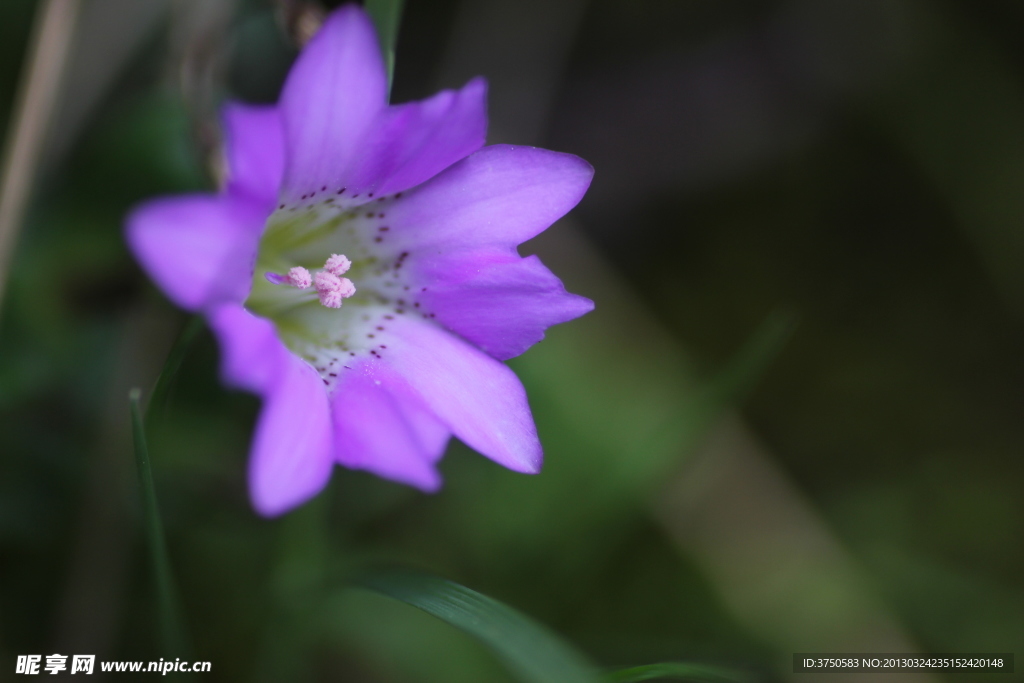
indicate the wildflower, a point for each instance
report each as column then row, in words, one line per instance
column 360, row 271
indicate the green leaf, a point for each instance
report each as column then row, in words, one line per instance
column 699, row 673
column 386, row 15
column 530, row 650
column 754, row 358
column 173, row 640
column 158, row 401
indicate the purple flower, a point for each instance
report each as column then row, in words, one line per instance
column 360, row 271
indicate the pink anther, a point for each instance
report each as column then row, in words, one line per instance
column 331, row 298
column 338, row 264
column 332, row 289
column 347, row 289
column 299, row 277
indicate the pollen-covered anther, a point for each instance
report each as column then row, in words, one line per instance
column 332, row 289
column 337, row 264
column 299, row 277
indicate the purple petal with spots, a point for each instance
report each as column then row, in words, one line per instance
column 382, row 427
column 199, row 248
column 254, row 147
column 475, row 396
column 292, row 451
column 332, row 98
column 501, row 195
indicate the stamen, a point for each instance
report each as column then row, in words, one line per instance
column 330, row 286
column 348, row 288
column 337, row 264
column 297, row 277
column 332, row 289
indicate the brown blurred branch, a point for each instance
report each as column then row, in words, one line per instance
column 300, row 19
column 37, row 96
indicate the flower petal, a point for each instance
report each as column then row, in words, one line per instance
column 254, row 139
column 333, row 94
column 495, row 299
column 413, row 142
column 251, row 352
column 292, row 448
column 200, row 249
column 380, row 426
column 478, row 398
column 501, row 195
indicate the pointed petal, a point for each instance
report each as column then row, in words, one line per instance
column 478, row 398
column 495, row 299
column 380, row 426
column 254, row 140
column 332, row 96
column 199, row 249
column 413, row 142
column 501, row 195
column 251, row 352
column 292, row 448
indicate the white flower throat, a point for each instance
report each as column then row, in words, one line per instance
column 332, row 313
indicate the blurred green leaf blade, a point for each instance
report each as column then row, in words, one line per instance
column 173, row 640
column 754, row 358
column 697, row 673
column 530, row 650
column 158, row 401
column 386, row 15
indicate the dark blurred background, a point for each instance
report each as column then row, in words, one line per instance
column 795, row 421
